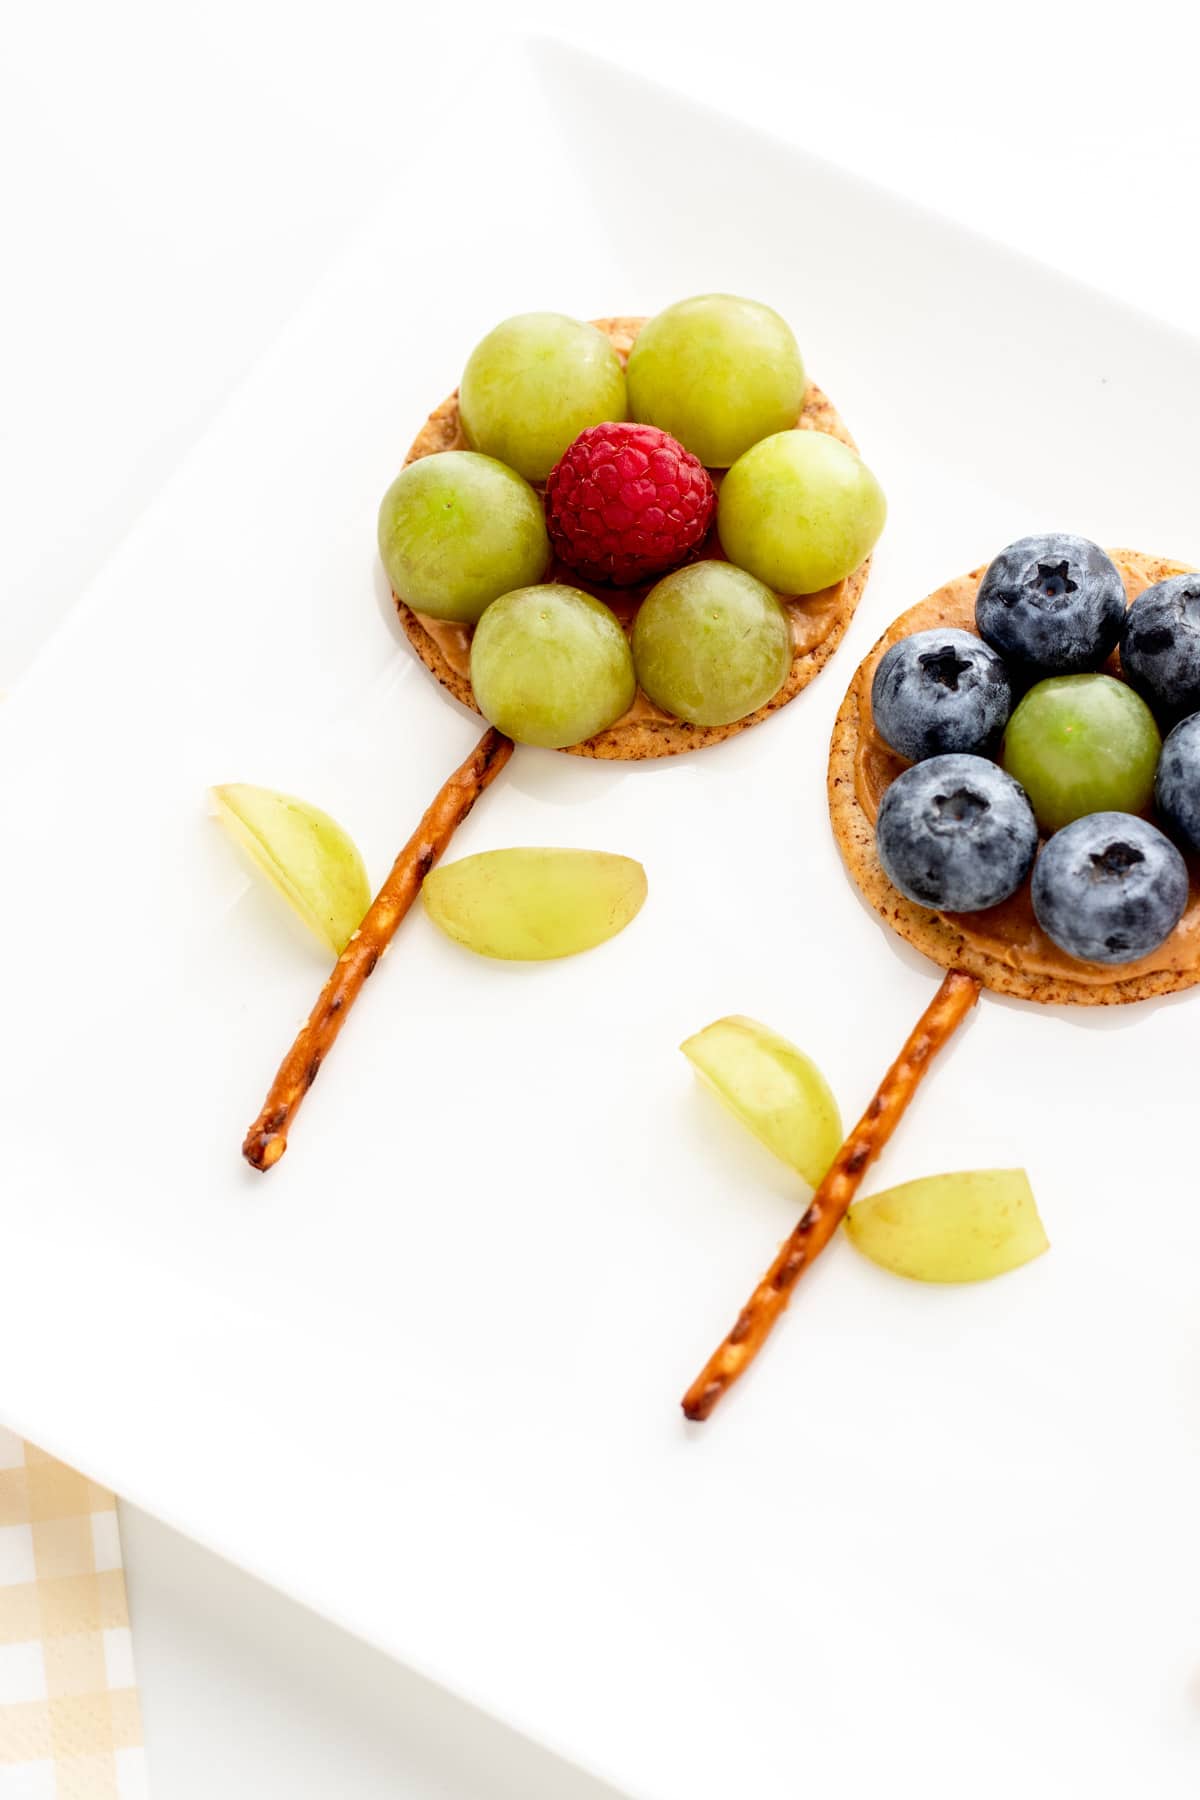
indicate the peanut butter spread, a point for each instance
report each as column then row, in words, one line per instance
column 818, row 621
column 1009, row 932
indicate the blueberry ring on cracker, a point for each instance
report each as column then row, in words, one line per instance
column 1064, row 825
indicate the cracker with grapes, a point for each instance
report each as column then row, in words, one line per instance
column 625, row 540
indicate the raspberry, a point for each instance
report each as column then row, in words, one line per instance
column 626, row 502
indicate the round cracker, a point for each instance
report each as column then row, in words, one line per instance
column 928, row 932
column 640, row 739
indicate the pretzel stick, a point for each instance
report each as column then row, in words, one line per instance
column 266, row 1140
column 949, row 1006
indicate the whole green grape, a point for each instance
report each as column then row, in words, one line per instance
column 551, row 666
column 1082, row 744
column 800, row 510
column 718, row 373
column 456, row 530
column 711, row 644
column 533, row 384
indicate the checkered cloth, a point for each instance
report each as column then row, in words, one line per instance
column 70, row 1727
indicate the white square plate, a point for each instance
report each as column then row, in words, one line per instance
column 426, row 1375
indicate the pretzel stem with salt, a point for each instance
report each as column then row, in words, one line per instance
column 266, row 1140
column 950, row 1005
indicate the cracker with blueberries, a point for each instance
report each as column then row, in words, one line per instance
column 1014, row 775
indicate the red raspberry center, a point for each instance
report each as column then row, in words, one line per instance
column 627, row 502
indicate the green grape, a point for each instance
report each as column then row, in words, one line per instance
column 531, row 905
column 965, row 1227
column 800, row 511
column 774, row 1088
column 533, row 384
column 303, row 853
column 551, row 666
column 711, row 644
column 456, row 530
column 718, row 373
column 1082, row 744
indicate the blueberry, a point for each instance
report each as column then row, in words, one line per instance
column 1109, row 888
column 1177, row 782
column 1160, row 645
column 957, row 833
column 1052, row 605
column 939, row 691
